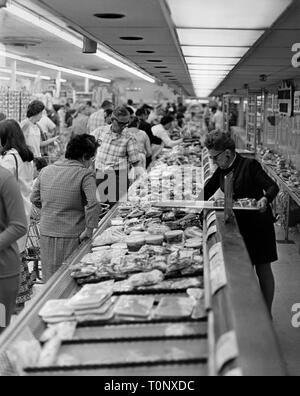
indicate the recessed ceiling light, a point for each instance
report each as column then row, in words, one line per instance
column 145, row 52
column 109, row 16
column 131, row 38
column 166, row 72
column 160, row 67
column 154, row 61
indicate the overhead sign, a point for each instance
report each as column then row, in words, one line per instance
column 286, row 98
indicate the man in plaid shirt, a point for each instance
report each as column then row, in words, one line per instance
column 118, row 150
column 97, row 119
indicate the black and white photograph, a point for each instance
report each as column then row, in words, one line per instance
column 149, row 191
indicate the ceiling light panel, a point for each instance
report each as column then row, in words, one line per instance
column 212, row 61
column 53, row 67
column 219, row 37
column 231, row 14
column 226, row 52
column 213, row 68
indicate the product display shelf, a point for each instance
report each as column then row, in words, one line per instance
column 236, row 337
column 293, row 194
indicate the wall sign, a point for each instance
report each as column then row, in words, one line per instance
column 286, row 98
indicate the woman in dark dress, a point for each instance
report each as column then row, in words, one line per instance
column 250, row 181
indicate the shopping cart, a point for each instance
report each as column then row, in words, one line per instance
column 32, row 250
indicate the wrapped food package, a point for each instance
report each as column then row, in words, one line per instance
column 175, row 308
column 175, row 236
column 134, row 306
column 110, row 236
column 145, row 279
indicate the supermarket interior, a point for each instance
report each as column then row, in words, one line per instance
column 149, row 188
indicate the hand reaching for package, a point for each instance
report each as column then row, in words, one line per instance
column 262, row 205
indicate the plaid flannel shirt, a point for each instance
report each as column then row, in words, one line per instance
column 116, row 152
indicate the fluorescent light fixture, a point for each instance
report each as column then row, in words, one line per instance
column 4, row 78
column 214, row 68
column 212, row 61
column 41, row 23
column 219, row 37
column 53, row 67
column 63, row 34
column 226, row 52
column 19, row 73
column 231, row 14
column 121, row 65
column 207, row 73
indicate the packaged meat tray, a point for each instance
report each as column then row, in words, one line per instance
column 170, row 307
column 134, row 306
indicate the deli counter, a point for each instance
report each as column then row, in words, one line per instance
column 171, row 293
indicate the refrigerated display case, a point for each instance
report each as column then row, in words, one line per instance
column 228, row 333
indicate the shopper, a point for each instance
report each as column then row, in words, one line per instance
column 47, row 131
column 250, row 181
column 2, row 117
column 130, row 105
column 143, row 142
column 13, row 226
column 97, row 119
column 117, row 152
column 66, row 194
column 80, row 122
column 17, row 158
column 101, row 131
column 217, row 118
column 30, row 129
column 162, row 131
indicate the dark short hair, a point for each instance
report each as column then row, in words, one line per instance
column 108, row 112
column 40, row 163
column 167, row 120
column 130, row 111
column 130, row 102
column 141, row 112
column 219, row 141
column 35, row 108
column 81, row 146
column 12, row 137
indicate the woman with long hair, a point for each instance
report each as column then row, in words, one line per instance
column 17, row 158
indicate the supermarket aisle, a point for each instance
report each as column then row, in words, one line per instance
column 287, row 273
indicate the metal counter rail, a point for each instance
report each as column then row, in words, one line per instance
column 240, row 307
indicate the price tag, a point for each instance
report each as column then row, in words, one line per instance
column 210, row 214
column 212, row 230
column 217, row 273
column 211, row 220
column 216, row 249
column 227, row 349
